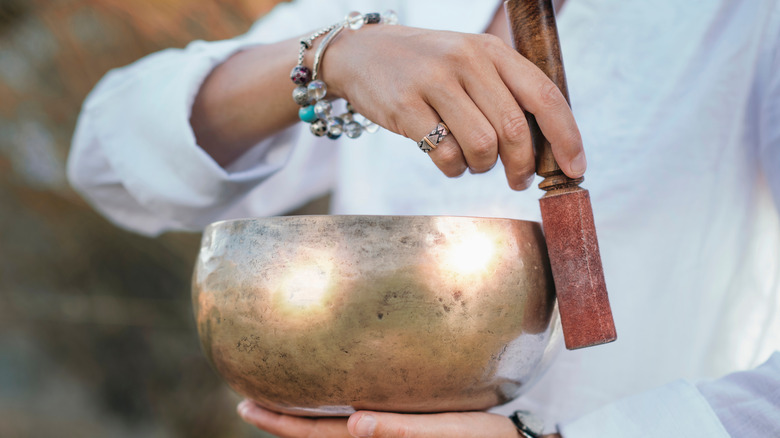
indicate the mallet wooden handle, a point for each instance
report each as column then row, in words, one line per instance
column 536, row 38
column 567, row 215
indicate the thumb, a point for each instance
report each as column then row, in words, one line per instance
column 365, row 424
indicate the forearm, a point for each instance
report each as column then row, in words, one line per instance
column 245, row 100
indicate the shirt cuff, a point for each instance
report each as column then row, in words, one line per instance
column 677, row 409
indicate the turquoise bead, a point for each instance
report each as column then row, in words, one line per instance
column 306, row 114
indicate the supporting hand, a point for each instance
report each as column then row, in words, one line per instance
column 381, row 424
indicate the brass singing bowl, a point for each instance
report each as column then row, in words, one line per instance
column 325, row 315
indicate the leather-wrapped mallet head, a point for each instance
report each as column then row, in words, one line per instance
column 567, row 215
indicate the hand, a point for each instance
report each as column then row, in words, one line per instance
column 409, row 79
column 381, row 424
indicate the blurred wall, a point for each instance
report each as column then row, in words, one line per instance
column 96, row 333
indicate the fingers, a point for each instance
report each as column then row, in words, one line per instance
column 499, row 106
column 452, row 425
column 540, row 96
column 287, row 426
column 479, row 87
column 473, row 132
column 448, row 155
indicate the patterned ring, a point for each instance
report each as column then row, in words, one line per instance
column 432, row 140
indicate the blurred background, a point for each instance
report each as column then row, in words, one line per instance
column 97, row 338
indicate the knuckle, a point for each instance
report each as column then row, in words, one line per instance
column 483, row 144
column 439, row 84
column 491, row 41
column 406, row 101
column 454, row 51
column 515, row 126
column 550, row 95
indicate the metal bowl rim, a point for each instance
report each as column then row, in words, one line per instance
column 362, row 216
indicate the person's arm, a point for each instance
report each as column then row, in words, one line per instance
column 245, row 100
column 135, row 157
column 168, row 128
column 406, row 80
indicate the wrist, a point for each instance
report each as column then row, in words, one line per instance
column 346, row 57
column 314, row 95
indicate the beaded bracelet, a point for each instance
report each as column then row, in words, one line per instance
column 310, row 91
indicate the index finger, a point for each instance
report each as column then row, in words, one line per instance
column 537, row 94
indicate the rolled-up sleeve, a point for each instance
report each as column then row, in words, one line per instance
column 134, row 155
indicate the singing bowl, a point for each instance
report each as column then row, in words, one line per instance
column 325, row 315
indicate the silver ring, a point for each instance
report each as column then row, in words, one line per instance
column 432, row 140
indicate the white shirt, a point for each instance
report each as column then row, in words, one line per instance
column 678, row 103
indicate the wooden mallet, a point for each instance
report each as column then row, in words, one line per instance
column 567, row 215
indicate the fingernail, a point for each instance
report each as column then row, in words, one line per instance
column 243, row 408
column 578, row 164
column 365, row 426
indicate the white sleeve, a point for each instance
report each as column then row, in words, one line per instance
column 743, row 404
column 134, row 155
column 748, row 402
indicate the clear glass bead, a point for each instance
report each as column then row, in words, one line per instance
column 353, row 129
column 317, row 90
column 389, row 17
column 335, row 127
column 370, row 126
column 301, row 95
column 347, row 117
column 323, row 109
column 355, row 20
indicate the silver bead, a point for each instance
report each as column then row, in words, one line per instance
column 353, row 129
column 323, row 109
column 335, row 128
column 317, row 90
column 319, row 128
column 301, row 95
column 355, row 20
column 370, row 126
column 389, row 17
